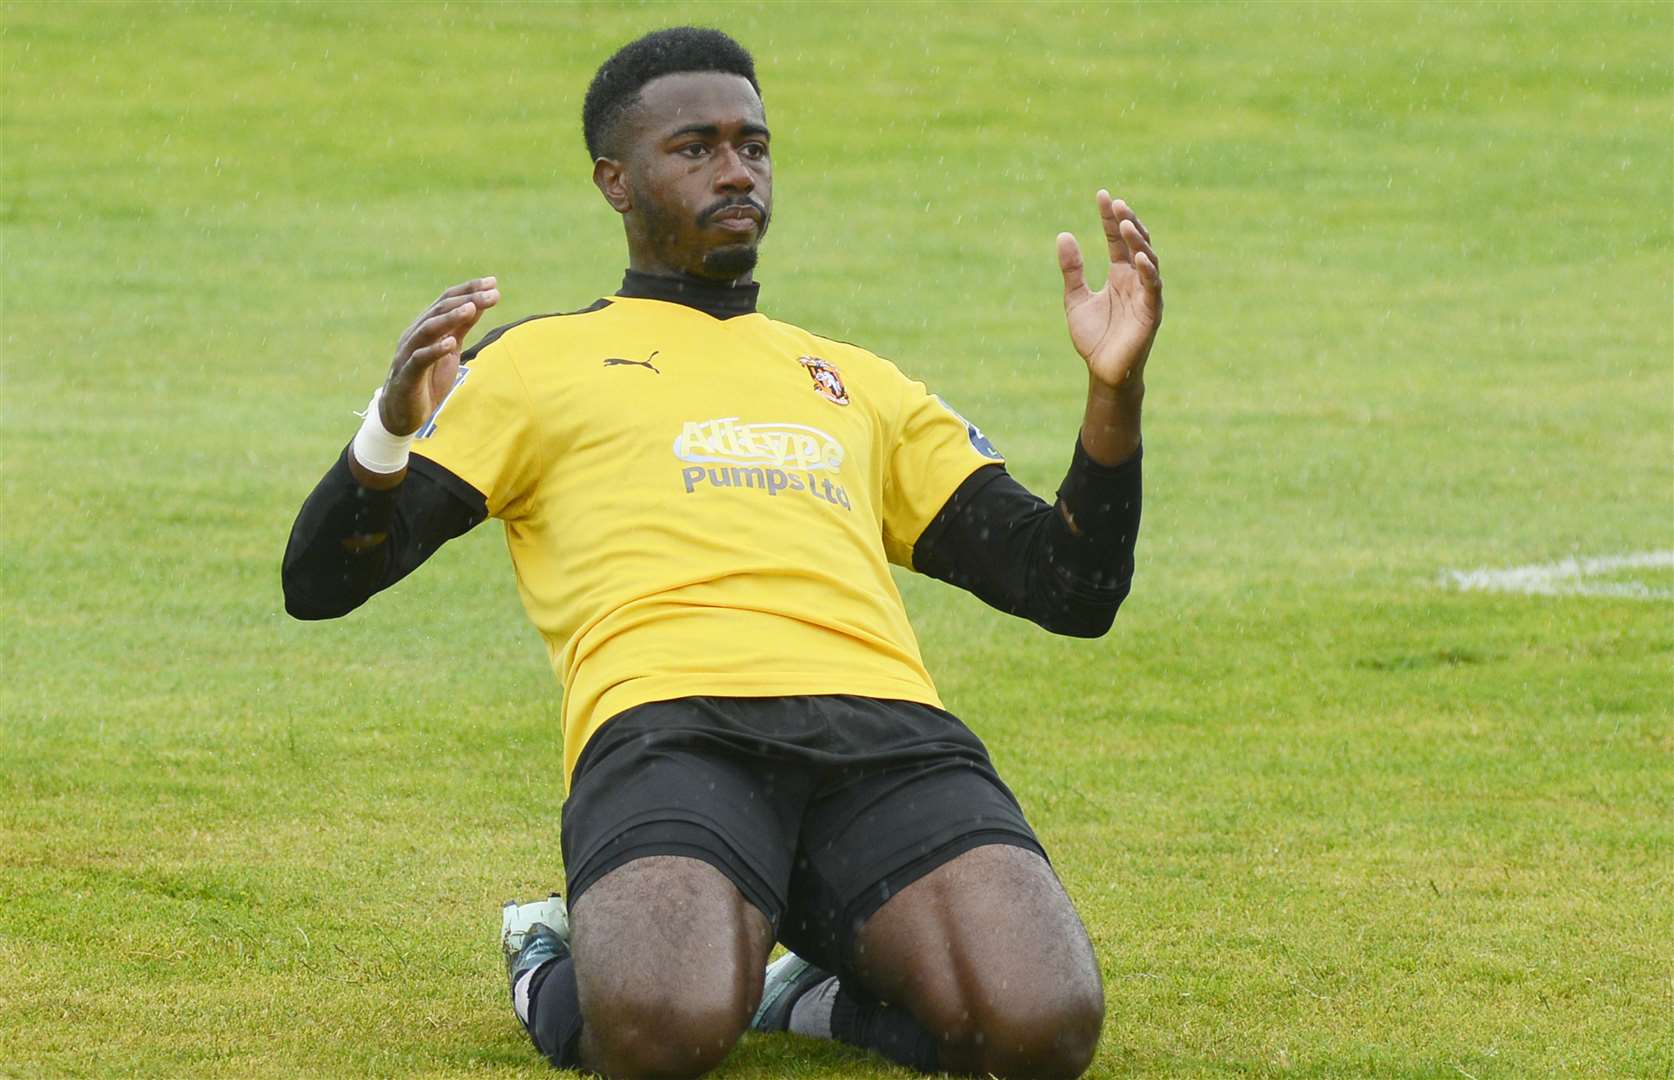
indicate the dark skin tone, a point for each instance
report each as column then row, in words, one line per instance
column 986, row 951
column 694, row 179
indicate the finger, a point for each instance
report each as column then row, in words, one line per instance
column 421, row 360
column 474, row 285
column 1135, row 241
column 457, row 319
column 449, row 301
column 453, row 321
column 1149, row 274
column 1072, row 266
column 464, row 311
column 424, row 327
column 481, row 301
column 1110, row 217
column 485, row 298
column 1128, row 214
column 1124, row 212
column 434, row 351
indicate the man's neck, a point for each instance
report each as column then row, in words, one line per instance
column 718, row 299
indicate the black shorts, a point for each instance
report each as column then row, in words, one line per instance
column 818, row 808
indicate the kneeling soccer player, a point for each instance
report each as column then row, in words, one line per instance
column 702, row 504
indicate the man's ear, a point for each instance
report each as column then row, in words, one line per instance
column 611, row 178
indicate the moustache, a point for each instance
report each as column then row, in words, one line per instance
column 745, row 203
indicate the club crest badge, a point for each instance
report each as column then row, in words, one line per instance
column 828, row 383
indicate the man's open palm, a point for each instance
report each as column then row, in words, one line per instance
column 1113, row 328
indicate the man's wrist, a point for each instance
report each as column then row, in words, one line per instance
column 1123, row 399
column 1110, row 447
column 1110, row 425
column 377, row 458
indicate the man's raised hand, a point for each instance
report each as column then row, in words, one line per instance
column 427, row 358
column 1113, row 328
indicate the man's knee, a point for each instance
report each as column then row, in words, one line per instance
column 669, row 959
column 990, row 1031
column 990, row 956
column 1044, row 1038
column 661, row 1034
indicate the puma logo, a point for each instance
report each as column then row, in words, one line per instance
column 613, row 361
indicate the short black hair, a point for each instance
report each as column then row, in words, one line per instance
column 616, row 85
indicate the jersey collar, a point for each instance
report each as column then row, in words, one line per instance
column 720, row 301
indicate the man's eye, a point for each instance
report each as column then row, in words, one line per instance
column 693, row 150
column 755, row 151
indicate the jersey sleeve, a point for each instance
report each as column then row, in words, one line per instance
column 482, row 432
column 350, row 542
column 935, row 450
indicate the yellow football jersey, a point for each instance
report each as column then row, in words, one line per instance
column 704, row 505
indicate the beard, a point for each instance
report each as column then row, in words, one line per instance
column 730, row 262
column 720, row 264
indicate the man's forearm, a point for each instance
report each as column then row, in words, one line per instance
column 1066, row 567
column 374, row 481
column 351, row 539
column 1110, row 423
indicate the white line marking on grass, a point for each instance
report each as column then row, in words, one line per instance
column 1568, row 577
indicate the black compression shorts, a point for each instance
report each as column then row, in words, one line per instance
column 818, row 808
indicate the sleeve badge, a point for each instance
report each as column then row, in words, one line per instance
column 979, row 442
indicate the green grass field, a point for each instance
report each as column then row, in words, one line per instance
column 1324, row 815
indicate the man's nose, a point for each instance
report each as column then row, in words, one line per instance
column 732, row 174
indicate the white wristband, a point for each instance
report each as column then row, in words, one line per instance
column 375, row 448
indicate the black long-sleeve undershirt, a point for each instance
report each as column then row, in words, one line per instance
column 992, row 537
column 1017, row 553
column 350, row 541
